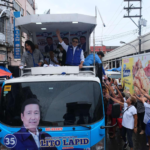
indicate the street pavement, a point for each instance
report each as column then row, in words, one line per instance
column 117, row 143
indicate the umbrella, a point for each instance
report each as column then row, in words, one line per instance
column 4, row 72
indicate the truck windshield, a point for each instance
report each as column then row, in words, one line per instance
column 61, row 103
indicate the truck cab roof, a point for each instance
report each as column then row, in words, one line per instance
column 39, row 74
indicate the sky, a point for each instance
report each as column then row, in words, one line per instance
column 117, row 27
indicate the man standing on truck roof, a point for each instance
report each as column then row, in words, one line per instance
column 32, row 57
column 75, row 56
column 89, row 60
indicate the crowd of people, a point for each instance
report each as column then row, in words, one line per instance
column 134, row 110
column 64, row 55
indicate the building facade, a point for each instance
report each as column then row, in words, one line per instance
column 26, row 7
column 104, row 49
column 114, row 58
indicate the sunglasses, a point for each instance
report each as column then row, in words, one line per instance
column 75, row 41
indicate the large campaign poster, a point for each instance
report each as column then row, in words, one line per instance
column 136, row 70
column 49, row 39
column 32, row 137
column 141, row 73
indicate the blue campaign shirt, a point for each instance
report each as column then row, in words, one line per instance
column 89, row 60
column 25, row 140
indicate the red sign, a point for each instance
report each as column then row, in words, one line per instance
column 53, row 129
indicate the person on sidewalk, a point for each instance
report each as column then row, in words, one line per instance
column 75, row 56
column 129, row 120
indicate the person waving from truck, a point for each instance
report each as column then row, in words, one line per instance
column 32, row 57
column 75, row 55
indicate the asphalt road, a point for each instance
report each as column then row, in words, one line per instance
column 117, row 143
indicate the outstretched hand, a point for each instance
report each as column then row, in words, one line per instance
column 107, row 96
column 57, row 32
column 107, row 82
column 115, row 82
column 135, row 84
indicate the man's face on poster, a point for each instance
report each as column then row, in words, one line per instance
column 82, row 40
column 49, row 41
column 31, row 116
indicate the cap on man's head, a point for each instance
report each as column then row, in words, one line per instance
column 28, row 102
column 100, row 53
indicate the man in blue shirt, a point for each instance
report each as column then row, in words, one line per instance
column 74, row 54
column 89, row 60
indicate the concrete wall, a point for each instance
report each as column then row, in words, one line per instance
column 27, row 7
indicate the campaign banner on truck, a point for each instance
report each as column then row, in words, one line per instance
column 48, row 40
column 32, row 137
column 136, row 70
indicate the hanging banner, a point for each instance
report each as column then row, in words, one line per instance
column 17, row 45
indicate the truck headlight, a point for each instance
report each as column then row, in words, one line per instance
column 100, row 145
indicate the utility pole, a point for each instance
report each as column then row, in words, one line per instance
column 129, row 8
column 102, row 46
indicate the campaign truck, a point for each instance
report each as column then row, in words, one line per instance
column 54, row 108
column 136, row 69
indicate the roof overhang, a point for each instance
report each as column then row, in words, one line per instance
column 52, row 22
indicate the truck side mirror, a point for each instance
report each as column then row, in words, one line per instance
column 115, row 114
column 116, row 111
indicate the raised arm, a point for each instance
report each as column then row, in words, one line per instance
column 65, row 47
column 123, row 85
column 58, row 36
column 119, row 94
column 111, row 89
column 115, row 100
column 142, row 99
column 142, row 91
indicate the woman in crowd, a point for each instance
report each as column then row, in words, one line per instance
column 129, row 119
column 140, row 112
column 143, row 98
column 118, row 97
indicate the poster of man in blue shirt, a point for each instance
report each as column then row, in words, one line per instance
column 29, row 136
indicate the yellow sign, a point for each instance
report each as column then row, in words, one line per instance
column 127, row 75
column 7, row 88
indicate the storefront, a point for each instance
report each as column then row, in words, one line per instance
column 3, row 56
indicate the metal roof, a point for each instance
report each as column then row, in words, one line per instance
column 126, row 50
column 63, row 22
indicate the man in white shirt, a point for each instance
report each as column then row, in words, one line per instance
column 75, row 55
